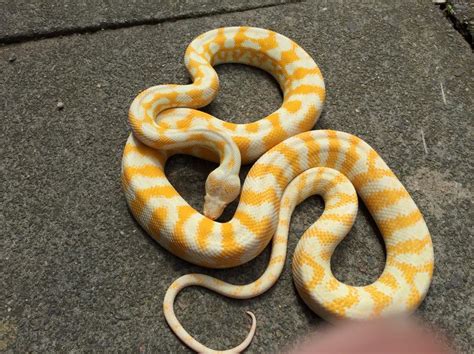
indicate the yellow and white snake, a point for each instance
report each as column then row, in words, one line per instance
column 293, row 164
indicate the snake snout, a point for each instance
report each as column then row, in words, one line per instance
column 213, row 207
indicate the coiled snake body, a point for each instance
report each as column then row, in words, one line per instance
column 294, row 164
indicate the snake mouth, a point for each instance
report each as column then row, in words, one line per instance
column 213, row 207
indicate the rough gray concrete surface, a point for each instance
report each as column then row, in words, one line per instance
column 78, row 273
column 24, row 19
column 463, row 11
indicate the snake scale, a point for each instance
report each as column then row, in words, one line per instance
column 293, row 163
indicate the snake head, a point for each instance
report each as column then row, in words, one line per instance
column 221, row 189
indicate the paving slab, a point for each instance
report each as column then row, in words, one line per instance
column 25, row 20
column 78, row 273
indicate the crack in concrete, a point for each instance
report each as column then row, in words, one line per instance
column 464, row 28
column 39, row 35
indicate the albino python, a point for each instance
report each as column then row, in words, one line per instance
column 294, row 164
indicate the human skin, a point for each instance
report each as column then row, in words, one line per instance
column 382, row 336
